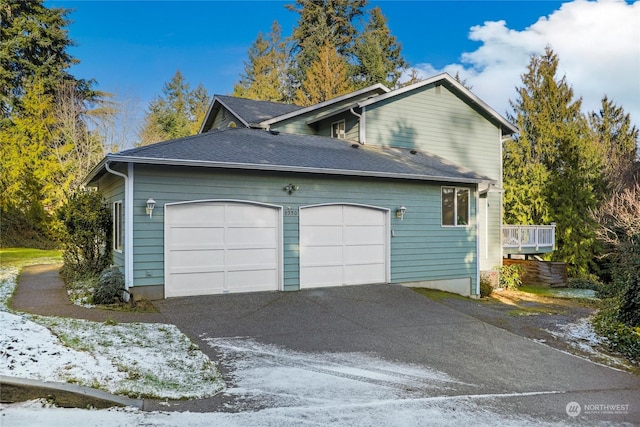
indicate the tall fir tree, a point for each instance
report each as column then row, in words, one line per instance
column 265, row 76
column 326, row 78
column 34, row 44
column 175, row 114
column 552, row 170
column 378, row 54
column 321, row 22
column 618, row 140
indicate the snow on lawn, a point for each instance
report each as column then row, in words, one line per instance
column 138, row 360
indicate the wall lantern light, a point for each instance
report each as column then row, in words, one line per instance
column 290, row 188
column 150, row 205
column 400, row 212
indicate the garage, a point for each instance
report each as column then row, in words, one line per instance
column 343, row 244
column 217, row 247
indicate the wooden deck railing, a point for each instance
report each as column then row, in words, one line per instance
column 529, row 237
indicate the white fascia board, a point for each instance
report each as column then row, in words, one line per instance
column 472, row 98
column 377, row 86
column 303, row 169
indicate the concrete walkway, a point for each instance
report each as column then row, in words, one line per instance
column 41, row 291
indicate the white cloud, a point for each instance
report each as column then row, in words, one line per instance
column 598, row 44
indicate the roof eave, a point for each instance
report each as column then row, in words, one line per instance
column 377, row 86
column 301, row 169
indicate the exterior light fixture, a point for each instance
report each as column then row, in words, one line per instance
column 400, row 212
column 290, row 188
column 150, row 205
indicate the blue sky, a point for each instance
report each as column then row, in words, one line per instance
column 133, row 48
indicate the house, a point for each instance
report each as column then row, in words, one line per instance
column 377, row 186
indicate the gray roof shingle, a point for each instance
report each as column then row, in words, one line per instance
column 263, row 150
column 252, row 111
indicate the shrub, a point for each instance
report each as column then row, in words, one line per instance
column 86, row 235
column 621, row 338
column 486, row 288
column 584, row 283
column 110, row 287
column 629, row 311
column 510, row 276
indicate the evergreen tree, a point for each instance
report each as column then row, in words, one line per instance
column 326, row 78
column 378, row 53
column 176, row 113
column 321, row 22
column 618, row 141
column 552, row 170
column 34, row 45
column 265, row 75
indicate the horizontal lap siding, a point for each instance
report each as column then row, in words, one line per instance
column 436, row 120
column 421, row 250
column 112, row 189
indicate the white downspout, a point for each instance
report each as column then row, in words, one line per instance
column 477, row 290
column 128, row 222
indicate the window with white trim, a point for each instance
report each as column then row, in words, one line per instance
column 455, row 206
column 338, row 130
column 118, row 226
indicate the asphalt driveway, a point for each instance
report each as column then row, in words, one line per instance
column 514, row 374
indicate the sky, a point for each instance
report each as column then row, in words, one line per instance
column 131, row 48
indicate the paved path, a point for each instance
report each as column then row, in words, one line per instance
column 40, row 290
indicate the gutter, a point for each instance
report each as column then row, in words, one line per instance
column 304, row 169
column 128, row 223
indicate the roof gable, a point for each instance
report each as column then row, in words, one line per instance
column 249, row 112
column 462, row 92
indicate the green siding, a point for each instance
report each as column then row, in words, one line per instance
column 421, row 250
column 437, row 121
column 112, row 189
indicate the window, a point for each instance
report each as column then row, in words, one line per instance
column 455, row 206
column 338, row 130
column 118, row 226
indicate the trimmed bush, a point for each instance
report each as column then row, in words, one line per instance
column 510, row 276
column 86, row 235
column 486, row 288
column 110, row 287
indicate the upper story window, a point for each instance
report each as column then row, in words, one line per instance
column 455, row 206
column 338, row 130
column 118, row 226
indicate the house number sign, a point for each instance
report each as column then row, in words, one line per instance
column 290, row 212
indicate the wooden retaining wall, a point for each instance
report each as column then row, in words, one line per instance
column 545, row 273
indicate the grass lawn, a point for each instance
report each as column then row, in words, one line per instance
column 22, row 256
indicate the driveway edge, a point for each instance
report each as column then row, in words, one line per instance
column 66, row 395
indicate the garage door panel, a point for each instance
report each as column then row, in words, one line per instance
column 237, row 258
column 343, row 244
column 364, row 235
column 201, row 283
column 190, row 235
column 251, row 235
column 358, row 274
column 356, row 215
column 321, row 276
column 246, row 214
column 198, row 259
column 365, row 255
column 323, row 215
column 321, row 235
column 219, row 247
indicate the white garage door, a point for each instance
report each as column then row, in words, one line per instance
column 220, row 247
column 343, row 245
